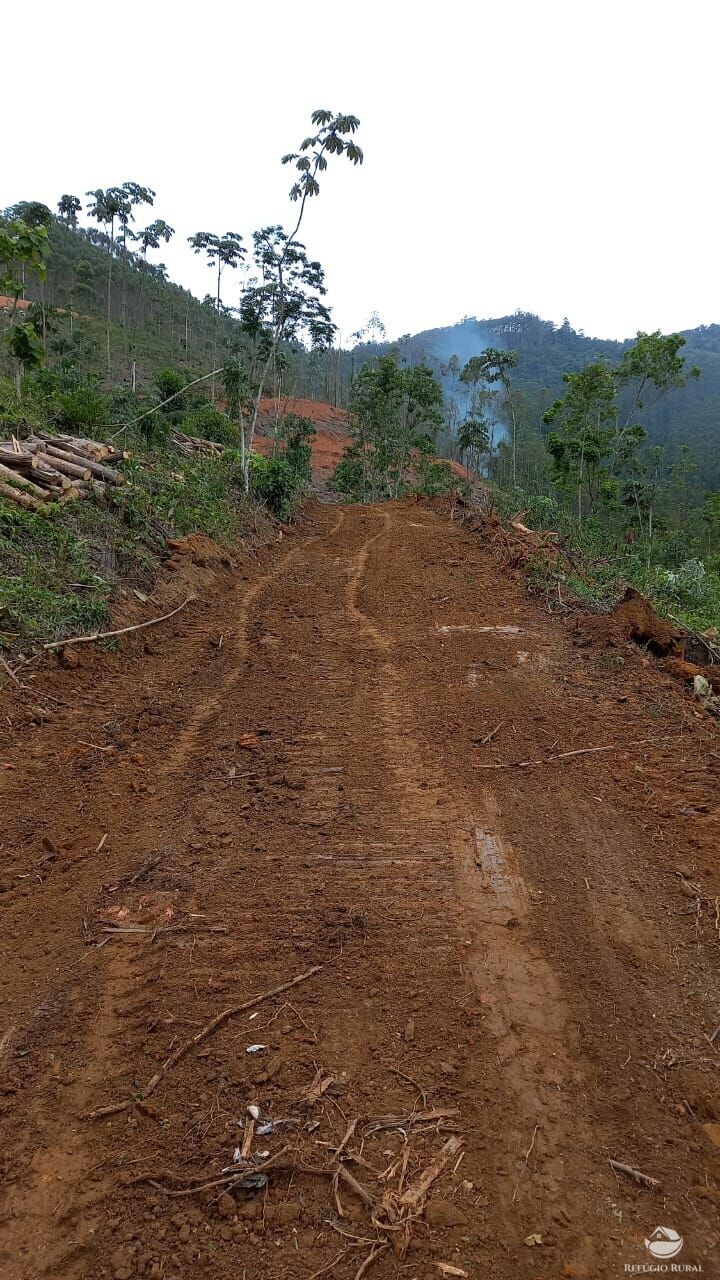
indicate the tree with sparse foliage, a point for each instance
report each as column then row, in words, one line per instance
column 334, row 136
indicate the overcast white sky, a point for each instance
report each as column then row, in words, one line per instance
column 556, row 156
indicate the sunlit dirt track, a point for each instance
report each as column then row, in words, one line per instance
column 518, row 964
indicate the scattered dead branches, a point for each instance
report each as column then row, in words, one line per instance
column 406, row 1122
column 116, row 1107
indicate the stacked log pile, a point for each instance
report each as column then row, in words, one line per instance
column 188, row 446
column 46, row 468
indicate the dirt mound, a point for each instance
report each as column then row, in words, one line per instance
column 198, row 549
column 634, row 618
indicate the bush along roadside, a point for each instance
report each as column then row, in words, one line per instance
column 63, row 565
column 596, row 564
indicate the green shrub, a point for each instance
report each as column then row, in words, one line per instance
column 297, row 432
column 435, row 476
column 168, row 382
column 273, row 481
column 348, row 477
column 210, row 424
column 83, row 409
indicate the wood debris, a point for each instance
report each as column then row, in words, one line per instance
column 190, row 445
column 642, row 1179
column 56, row 468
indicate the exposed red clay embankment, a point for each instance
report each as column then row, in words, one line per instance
column 518, row 974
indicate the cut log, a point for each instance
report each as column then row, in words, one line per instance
column 27, row 486
column 48, row 476
column 77, row 444
column 65, row 454
column 22, row 499
column 18, row 461
column 61, row 463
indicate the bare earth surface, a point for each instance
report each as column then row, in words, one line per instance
column 519, row 966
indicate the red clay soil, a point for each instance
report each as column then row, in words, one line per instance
column 10, row 304
column 331, row 437
column 331, row 431
column 369, row 759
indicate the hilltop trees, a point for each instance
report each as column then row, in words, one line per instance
column 68, row 210
column 151, row 236
column 108, row 207
column 221, row 252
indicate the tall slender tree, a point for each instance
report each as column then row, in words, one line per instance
column 221, row 252
column 334, row 136
column 104, row 207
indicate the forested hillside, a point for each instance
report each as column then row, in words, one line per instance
column 690, row 418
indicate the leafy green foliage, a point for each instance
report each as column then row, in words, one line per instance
column 295, row 434
column 395, row 413
column 47, row 588
column 274, row 483
column 334, row 137
column 436, row 476
column 210, row 423
column 348, row 477
column 22, row 247
column 71, row 400
column 24, row 345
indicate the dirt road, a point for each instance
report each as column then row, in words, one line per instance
column 519, row 972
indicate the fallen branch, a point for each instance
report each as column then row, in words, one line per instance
column 489, row 736
column 201, row 1035
column 714, row 653
column 642, row 1178
column 414, row 1196
column 6, row 667
column 415, row 1083
column 366, row 1265
column 406, row 1122
column 528, row 1153
column 348, row 1135
column 122, row 631
column 225, row 1180
column 353, row 1185
column 582, row 751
